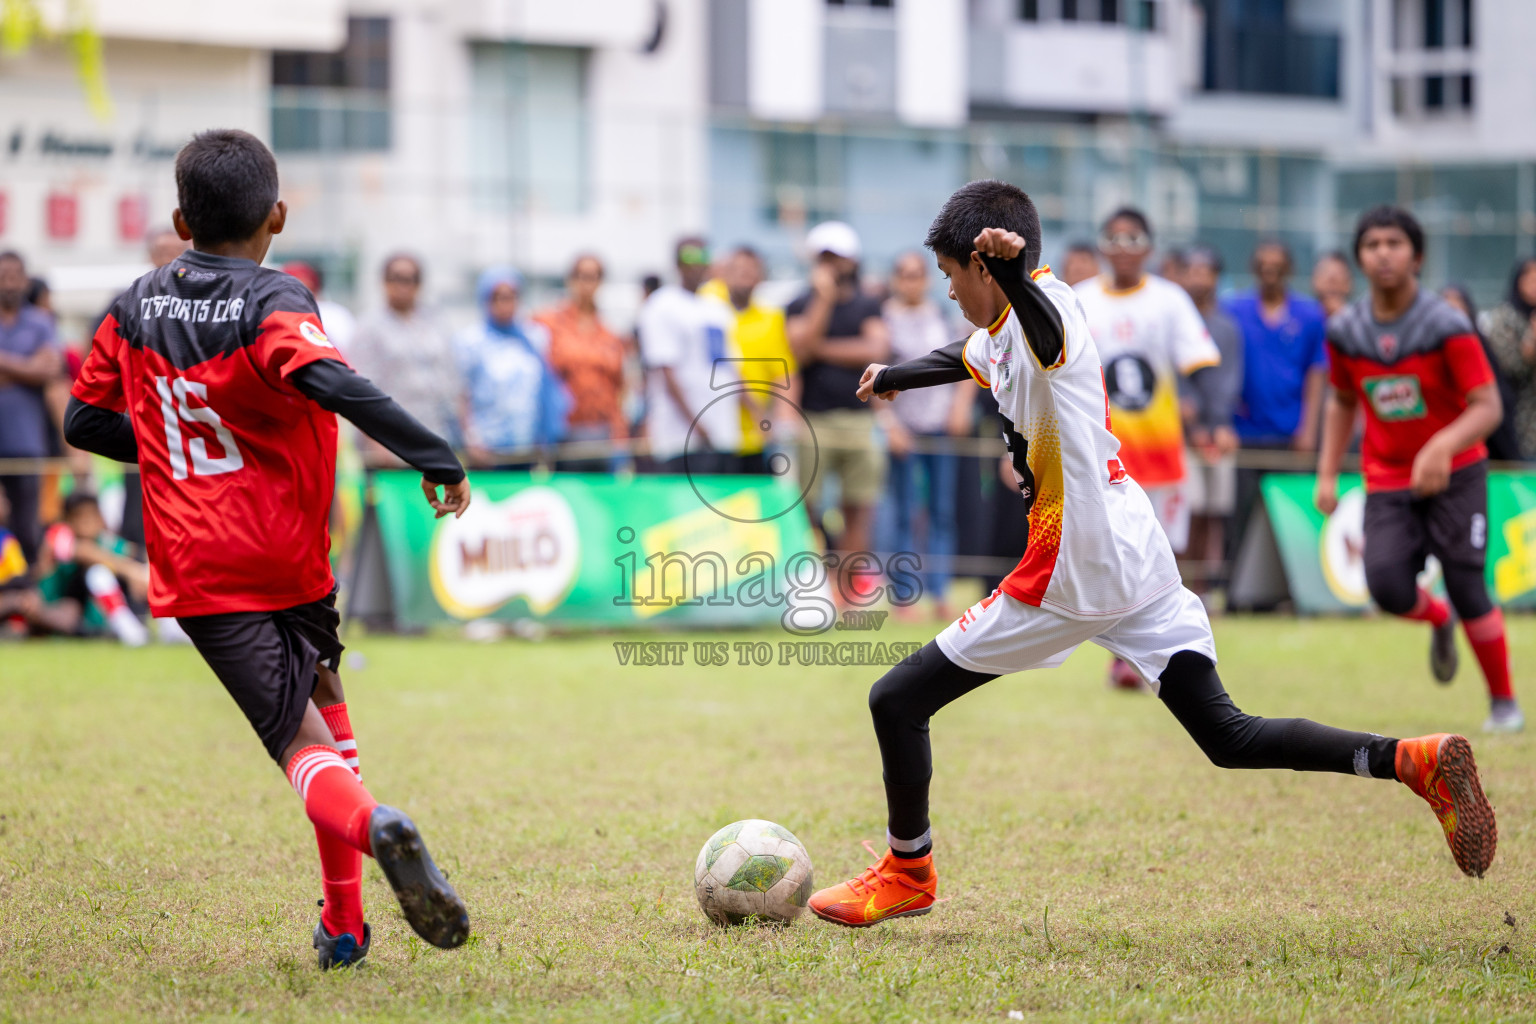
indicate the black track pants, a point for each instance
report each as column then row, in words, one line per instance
column 908, row 695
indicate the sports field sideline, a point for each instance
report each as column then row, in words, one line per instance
column 1094, row 865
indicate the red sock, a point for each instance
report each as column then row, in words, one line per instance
column 333, row 797
column 1486, row 635
column 1430, row 609
column 341, row 867
column 340, row 725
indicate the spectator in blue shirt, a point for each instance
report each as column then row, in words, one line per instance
column 1284, row 363
column 513, row 402
column 29, row 362
column 1285, row 368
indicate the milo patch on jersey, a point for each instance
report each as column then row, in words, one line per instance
column 1394, row 398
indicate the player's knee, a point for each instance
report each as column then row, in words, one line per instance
column 1394, row 590
column 887, row 699
column 1467, row 588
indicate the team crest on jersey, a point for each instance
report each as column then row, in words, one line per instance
column 314, row 335
column 1394, row 398
column 1004, row 366
column 1388, row 344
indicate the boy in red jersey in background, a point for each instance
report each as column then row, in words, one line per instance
column 216, row 376
column 1430, row 399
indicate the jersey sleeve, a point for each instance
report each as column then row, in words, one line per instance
column 976, row 357
column 1190, row 347
column 289, row 333
column 1468, row 362
column 101, row 378
column 1339, row 374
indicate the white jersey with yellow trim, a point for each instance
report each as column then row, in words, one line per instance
column 1148, row 336
column 1095, row 548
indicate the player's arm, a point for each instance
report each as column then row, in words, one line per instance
column 941, row 366
column 99, row 431
column 1001, row 252
column 1473, row 375
column 336, row 387
column 1338, row 423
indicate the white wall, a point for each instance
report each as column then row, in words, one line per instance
column 930, row 63
column 784, row 64
column 1087, row 67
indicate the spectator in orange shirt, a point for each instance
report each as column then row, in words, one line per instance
column 589, row 358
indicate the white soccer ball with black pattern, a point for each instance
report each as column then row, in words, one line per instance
column 752, row 869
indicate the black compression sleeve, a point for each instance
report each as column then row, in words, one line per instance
column 100, row 431
column 941, row 366
column 335, row 387
column 1037, row 314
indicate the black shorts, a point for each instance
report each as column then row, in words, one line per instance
column 1400, row 529
column 267, row 661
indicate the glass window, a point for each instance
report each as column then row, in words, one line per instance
column 528, row 127
column 328, row 102
column 1029, row 10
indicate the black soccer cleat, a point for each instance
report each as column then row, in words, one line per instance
column 431, row 907
column 1443, row 658
column 341, row 950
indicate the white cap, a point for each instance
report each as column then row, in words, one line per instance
column 835, row 237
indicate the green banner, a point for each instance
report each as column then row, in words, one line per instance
column 598, row 551
column 1323, row 556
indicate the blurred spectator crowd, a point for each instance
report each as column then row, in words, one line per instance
column 714, row 378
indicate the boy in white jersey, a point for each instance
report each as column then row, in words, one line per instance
column 1149, row 334
column 1096, row 567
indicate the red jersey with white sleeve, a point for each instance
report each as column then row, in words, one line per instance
column 238, row 467
column 1095, row 547
column 1412, row 376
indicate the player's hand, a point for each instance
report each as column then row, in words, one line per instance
column 454, row 501
column 867, row 384
column 1225, row 440
column 999, row 242
column 1431, row 470
column 1326, row 497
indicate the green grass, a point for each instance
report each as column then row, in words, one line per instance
column 154, row 864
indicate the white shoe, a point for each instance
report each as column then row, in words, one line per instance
column 1504, row 716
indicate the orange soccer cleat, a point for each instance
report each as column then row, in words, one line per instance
column 1441, row 769
column 891, row 887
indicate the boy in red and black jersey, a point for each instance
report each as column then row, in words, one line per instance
column 216, row 377
column 1430, row 397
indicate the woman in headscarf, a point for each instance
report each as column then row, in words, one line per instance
column 513, row 402
column 1512, row 339
column 1503, row 443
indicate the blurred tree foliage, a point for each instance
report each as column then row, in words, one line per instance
column 22, row 24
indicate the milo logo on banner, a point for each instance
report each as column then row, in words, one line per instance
column 526, row 546
column 1395, row 398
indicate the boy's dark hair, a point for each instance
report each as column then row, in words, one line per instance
column 1132, row 214
column 981, row 205
column 1388, row 216
column 1202, row 253
column 1083, row 247
column 12, row 254
column 77, row 499
column 401, row 257
column 1331, row 254
column 226, row 183
column 1273, row 243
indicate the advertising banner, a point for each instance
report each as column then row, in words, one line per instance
column 599, row 551
column 1324, row 556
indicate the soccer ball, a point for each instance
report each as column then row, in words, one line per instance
column 752, row 868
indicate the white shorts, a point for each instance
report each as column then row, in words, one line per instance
column 1001, row 634
column 1170, row 503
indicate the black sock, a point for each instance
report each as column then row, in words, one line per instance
column 901, row 704
column 1231, row 739
column 907, row 818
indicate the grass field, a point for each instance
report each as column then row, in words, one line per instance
column 155, row 866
